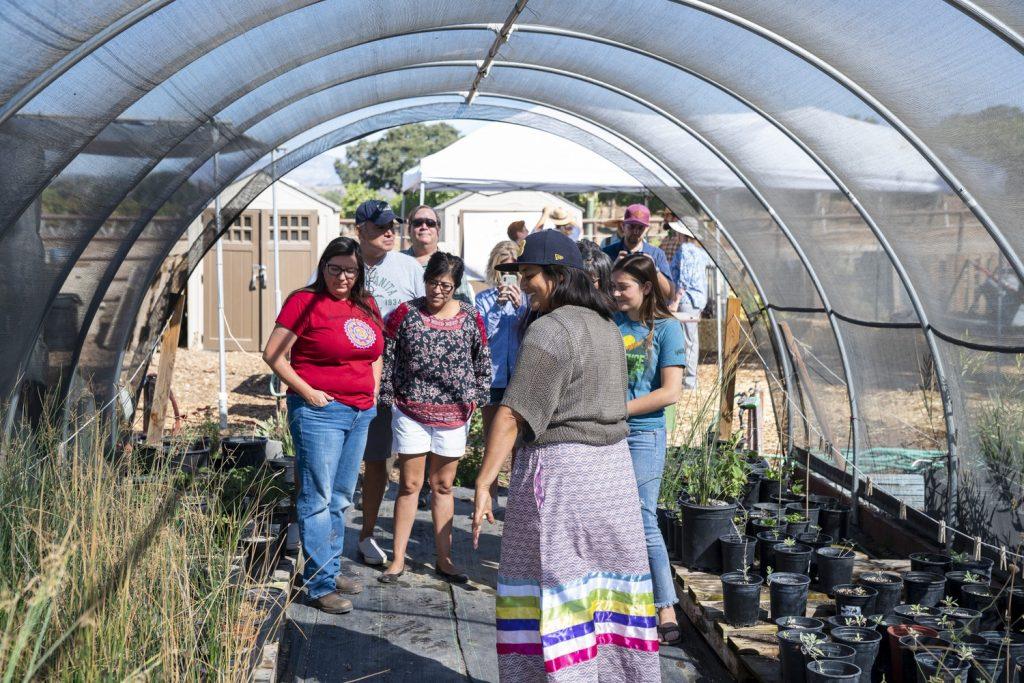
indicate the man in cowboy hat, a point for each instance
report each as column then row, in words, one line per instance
column 689, row 273
column 558, row 218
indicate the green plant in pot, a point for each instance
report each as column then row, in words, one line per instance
column 714, row 480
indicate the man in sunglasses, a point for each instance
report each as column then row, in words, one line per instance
column 392, row 278
column 424, row 235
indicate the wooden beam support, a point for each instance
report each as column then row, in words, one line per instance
column 805, row 382
column 164, row 374
column 731, row 358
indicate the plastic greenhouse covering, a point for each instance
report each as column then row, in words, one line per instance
column 856, row 168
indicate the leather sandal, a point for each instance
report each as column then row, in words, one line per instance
column 457, row 577
column 669, row 633
column 390, row 578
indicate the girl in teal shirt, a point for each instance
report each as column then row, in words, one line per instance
column 655, row 355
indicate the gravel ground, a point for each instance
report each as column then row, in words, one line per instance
column 195, row 387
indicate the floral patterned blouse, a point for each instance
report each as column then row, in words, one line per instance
column 435, row 370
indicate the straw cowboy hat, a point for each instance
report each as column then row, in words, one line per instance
column 559, row 216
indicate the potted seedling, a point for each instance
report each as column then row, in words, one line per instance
column 713, row 480
column 766, row 542
column 790, row 556
column 854, row 599
column 772, row 482
column 795, row 623
column 831, row 671
column 816, row 648
column 737, row 552
column 835, row 565
column 956, row 580
column 796, row 523
column 788, row 593
column 935, row 563
column 966, row 563
column 865, row 642
column 889, row 587
column 741, row 597
column 791, row 657
column 924, row 588
column 806, row 509
column 835, row 520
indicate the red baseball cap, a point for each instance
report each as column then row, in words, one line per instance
column 637, row 213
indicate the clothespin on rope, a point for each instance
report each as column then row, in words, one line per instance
column 942, row 531
column 1002, row 558
column 977, row 547
column 903, row 510
column 870, row 488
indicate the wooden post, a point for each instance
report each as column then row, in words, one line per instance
column 805, row 382
column 731, row 357
column 168, row 349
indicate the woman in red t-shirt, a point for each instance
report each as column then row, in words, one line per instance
column 333, row 332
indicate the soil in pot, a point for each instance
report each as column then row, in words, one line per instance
column 795, row 558
column 835, row 566
column 854, row 600
column 911, row 612
column 889, row 587
column 830, row 671
column 741, row 597
column 865, row 642
column 800, row 624
column 835, row 521
column 737, row 552
column 970, row 617
column 760, row 524
column 788, row 593
column 933, row 667
column 703, row 525
column 242, row 451
column 766, row 542
column 983, row 599
column 924, row 588
column 841, row 620
column 955, row 581
column 791, row 656
column 935, row 563
column 811, row 511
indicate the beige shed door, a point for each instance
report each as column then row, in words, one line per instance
column 241, row 286
column 298, row 257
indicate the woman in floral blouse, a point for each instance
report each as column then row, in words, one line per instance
column 437, row 370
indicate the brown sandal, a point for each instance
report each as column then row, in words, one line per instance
column 669, row 633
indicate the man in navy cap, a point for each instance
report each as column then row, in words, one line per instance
column 392, row 278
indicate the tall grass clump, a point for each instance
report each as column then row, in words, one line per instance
column 112, row 572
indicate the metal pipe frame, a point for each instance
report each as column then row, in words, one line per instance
column 990, row 21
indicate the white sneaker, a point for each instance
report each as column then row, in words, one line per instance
column 371, row 552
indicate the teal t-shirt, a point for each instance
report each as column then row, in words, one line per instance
column 644, row 366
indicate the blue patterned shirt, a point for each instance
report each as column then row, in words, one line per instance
column 689, row 274
column 502, row 325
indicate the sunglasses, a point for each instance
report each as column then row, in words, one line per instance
column 429, row 222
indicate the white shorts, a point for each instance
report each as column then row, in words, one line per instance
column 411, row 437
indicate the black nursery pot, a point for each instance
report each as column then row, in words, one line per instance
column 770, row 490
column 677, row 535
column 982, row 598
column 788, row 593
column 865, row 641
column 889, row 587
column 737, row 552
column 669, row 533
column 759, row 524
column 935, row 563
column 971, row 618
column 190, row 457
column 703, row 525
column 791, row 656
column 833, row 652
column 752, row 491
column 795, row 559
column 981, row 566
column 955, row 583
column 812, row 511
column 770, row 508
column 794, row 528
column 853, row 599
column 243, row 451
column 831, row 671
column 924, row 588
column 944, row 666
column 835, row 566
column 988, row 663
column 741, row 597
column 835, row 521
column 766, row 542
column 911, row 611
column 808, row 624
column 1006, row 639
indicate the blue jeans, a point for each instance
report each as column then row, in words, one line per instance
column 648, row 451
column 329, row 445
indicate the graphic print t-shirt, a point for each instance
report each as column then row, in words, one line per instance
column 396, row 279
column 336, row 346
column 643, row 365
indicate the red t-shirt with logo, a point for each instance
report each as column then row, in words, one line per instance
column 336, row 346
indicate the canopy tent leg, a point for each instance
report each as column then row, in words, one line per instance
column 277, row 231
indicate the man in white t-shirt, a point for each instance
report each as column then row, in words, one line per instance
column 392, row 278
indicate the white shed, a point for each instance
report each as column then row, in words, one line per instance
column 308, row 223
column 473, row 223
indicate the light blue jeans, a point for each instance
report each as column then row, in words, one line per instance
column 648, row 451
column 329, row 444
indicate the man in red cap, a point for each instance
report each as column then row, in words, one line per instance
column 634, row 226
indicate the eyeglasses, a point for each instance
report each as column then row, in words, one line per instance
column 443, row 287
column 338, row 271
column 429, row 222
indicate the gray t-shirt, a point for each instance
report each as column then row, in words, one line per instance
column 396, row 279
column 569, row 384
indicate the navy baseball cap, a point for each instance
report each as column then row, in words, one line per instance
column 547, row 248
column 376, row 210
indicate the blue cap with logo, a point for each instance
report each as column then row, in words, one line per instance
column 376, row 210
column 547, row 248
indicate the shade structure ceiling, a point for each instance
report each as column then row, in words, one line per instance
column 857, row 167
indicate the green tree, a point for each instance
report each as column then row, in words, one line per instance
column 379, row 163
column 355, row 194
